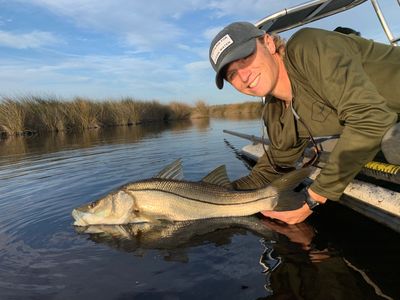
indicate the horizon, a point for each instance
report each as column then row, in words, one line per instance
column 145, row 50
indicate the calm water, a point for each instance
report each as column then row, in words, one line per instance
column 337, row 254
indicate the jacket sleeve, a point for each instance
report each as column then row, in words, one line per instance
column 336, row 72
column 263, row 173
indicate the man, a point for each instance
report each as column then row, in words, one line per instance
column 336, row 84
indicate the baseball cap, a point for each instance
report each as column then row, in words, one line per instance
column 234, row 42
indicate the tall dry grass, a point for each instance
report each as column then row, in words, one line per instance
column 50, row 114
column 246, row 110
column 201, row 110
column 179, row 111
column 43, row 114
column 12, row 117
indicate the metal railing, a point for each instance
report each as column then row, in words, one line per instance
column 384, row 24
column 310, row 11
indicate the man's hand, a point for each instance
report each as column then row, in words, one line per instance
column 291, row 216
column 298, row 215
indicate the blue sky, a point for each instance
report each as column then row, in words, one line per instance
column 148, row 50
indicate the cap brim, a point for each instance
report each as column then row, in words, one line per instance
column 239, row 52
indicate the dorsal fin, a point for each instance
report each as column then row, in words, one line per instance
column 219, row 177
column 172, row 171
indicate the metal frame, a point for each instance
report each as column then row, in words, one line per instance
column 315, row 10
column 384, row 24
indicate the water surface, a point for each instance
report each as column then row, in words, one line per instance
column 337, row 254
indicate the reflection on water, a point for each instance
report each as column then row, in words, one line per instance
column 16, row 147
column 201, row 124
column 43, row 257
column 174, row 236
column 303, row 265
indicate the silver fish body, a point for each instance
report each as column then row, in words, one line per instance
column 177, row 200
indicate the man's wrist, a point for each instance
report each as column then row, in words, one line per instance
column 312, row 203
column 315, row 196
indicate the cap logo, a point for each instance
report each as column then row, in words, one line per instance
column 220, row 46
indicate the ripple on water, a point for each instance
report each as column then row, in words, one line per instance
column 41, row 255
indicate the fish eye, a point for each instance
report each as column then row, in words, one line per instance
column 92, row 205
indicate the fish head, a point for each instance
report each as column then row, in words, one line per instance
column 115, row 208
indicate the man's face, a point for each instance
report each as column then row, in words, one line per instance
column 256, row 74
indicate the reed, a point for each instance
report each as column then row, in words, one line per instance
column 179, row 111
column 200, row 110
column 245, row 110
column 12, row 117
column 51, row 114
column 44, row 114
column 81, row 114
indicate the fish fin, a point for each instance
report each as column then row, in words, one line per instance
column 219, row 177
column 172, row 171
column 290, row 180
column 290, row 200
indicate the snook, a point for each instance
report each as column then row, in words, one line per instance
column 166, row 197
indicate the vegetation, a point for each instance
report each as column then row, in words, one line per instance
column 31, row 114
column 246, row 110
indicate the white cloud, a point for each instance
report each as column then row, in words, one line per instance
column 145, row 25
column 248, row 10
column 141, row 24
column 34, row 39
column 197, row 66
column 95, row 76
column 210, row 33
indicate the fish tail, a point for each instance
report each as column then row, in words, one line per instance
column 291, row 180
column 290, row 200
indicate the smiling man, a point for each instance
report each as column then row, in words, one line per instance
column 320, row 83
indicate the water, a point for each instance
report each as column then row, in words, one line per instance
column 337, row 254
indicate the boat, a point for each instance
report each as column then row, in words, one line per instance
column 375, row 193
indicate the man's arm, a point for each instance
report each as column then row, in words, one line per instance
column 343, row 83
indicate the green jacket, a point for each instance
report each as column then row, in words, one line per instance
column 341, row 84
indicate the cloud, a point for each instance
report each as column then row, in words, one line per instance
column 96, row 76
column 146, row 25
column 210, row 33
column 34, row 39
column 247, row 10
column 139, row 24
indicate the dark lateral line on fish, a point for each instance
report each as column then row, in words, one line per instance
column 202, row 201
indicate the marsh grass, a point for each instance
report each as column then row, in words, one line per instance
column 200, row 110
column 12, row 117
column 32, row 114
column 246, row 110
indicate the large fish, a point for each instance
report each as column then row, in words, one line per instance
column 168, row 197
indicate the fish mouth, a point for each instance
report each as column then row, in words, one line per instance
column 78, row 217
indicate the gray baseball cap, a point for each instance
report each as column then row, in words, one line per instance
column 234, row 42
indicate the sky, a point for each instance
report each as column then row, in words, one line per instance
column 143, row 49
